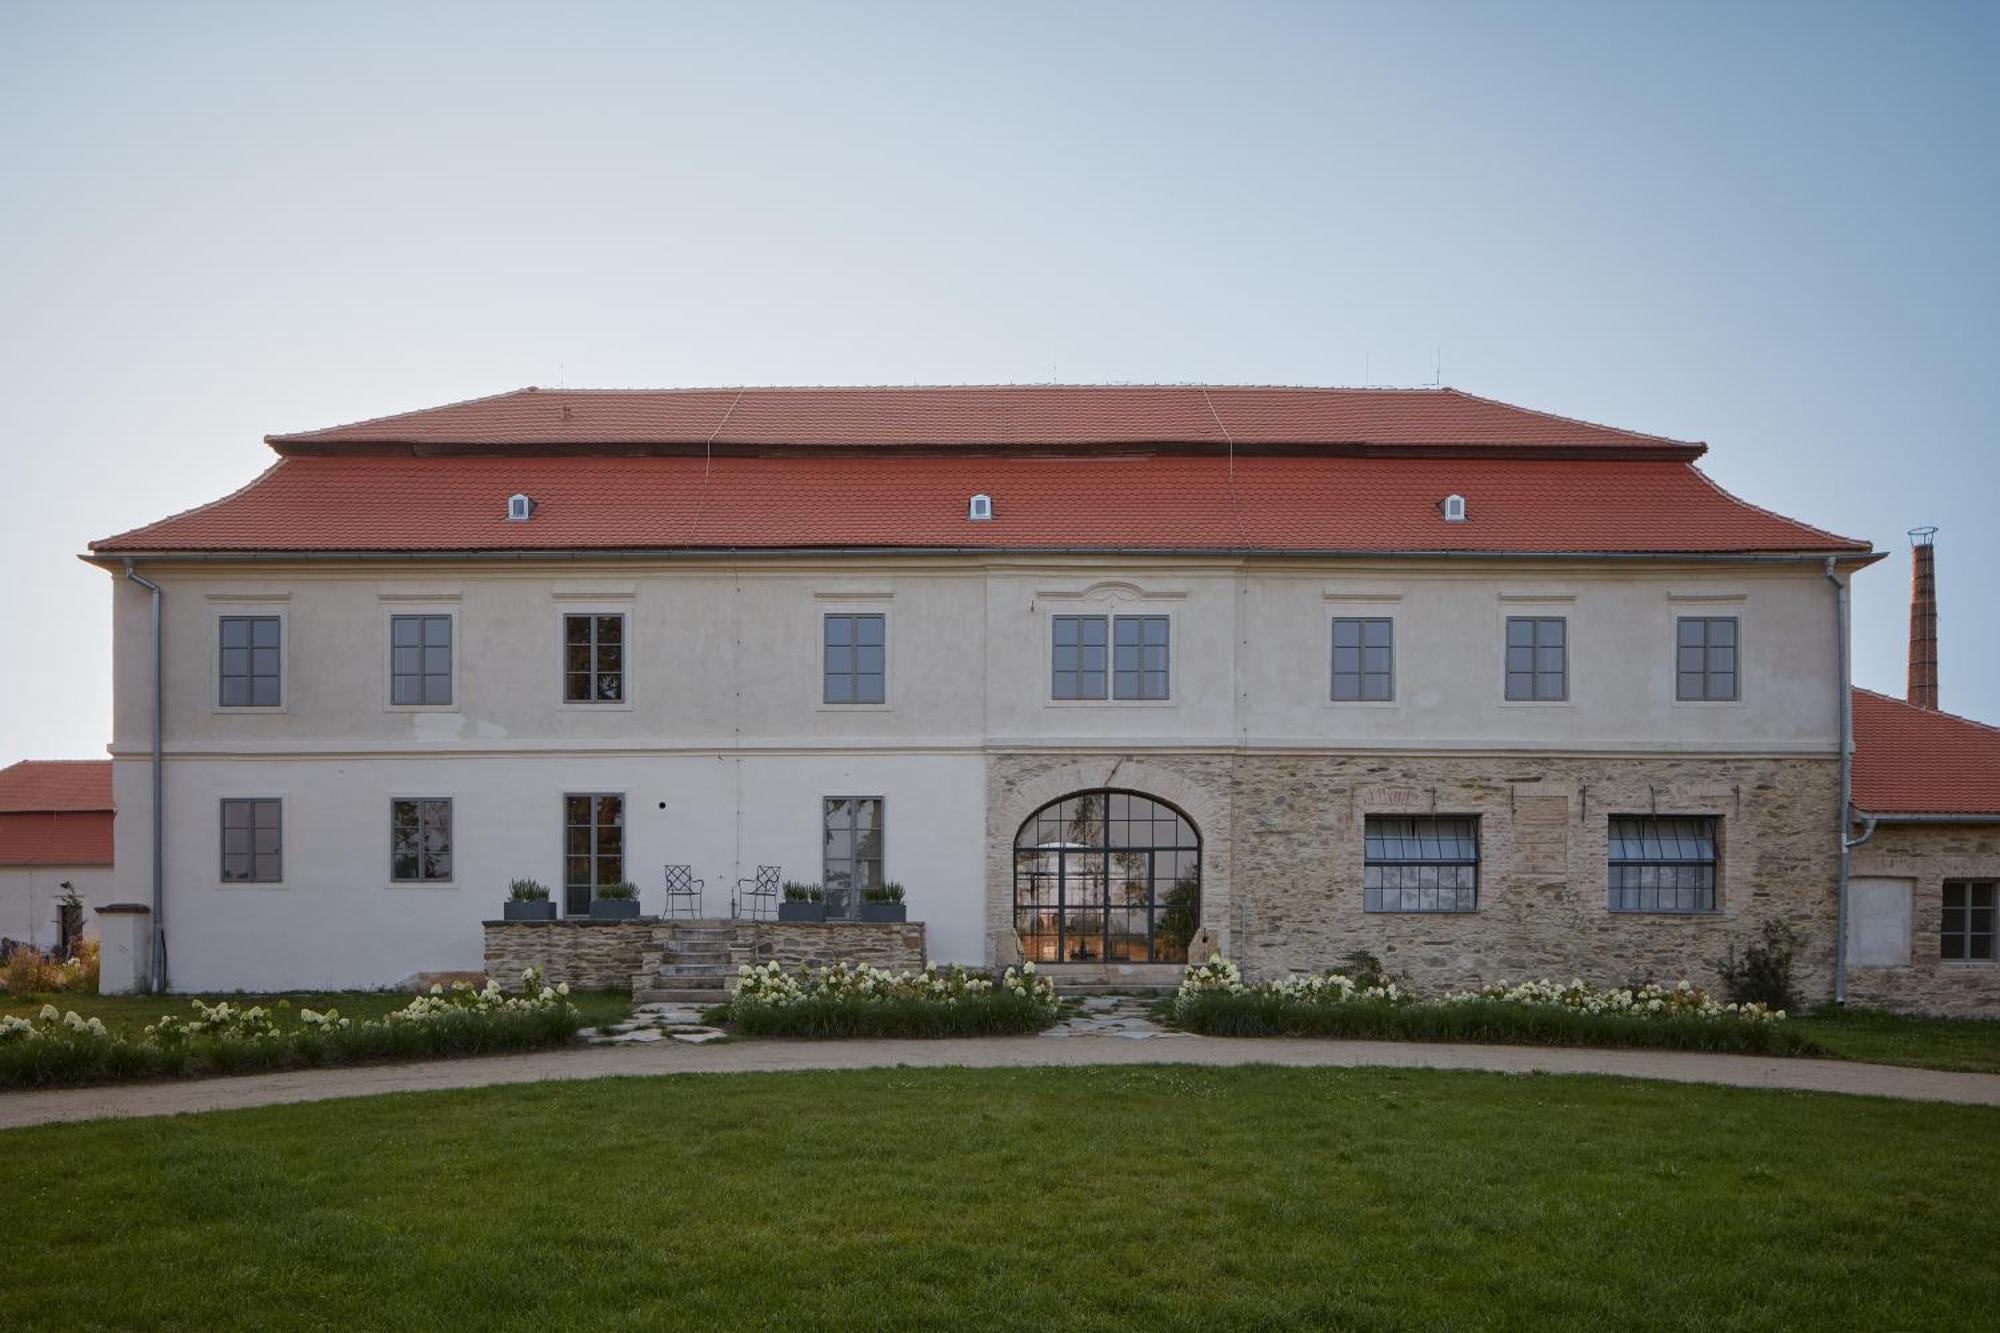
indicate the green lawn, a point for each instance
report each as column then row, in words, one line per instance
column 1142, row 1198
column 1971, row 1044
column 131, row 1013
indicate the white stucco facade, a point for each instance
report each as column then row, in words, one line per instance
column 724, row 750
column 29, row 896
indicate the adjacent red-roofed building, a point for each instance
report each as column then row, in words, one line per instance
column 1105, row 677
column 55, row 831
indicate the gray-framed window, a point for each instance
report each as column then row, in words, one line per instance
column 253, row 840
column 855, row 650
column 1537, row 657
column 1420, row 863
column 1139, row 657
column 1079, row 666
column 594, row 658
column 1662, row 863
column 1364, row 667
column 1705, row 657
column 420, row 659
column 853, row 851
column 593, row 847
column 420, row 839
column 248, row 661
column 1965, row 931
column 1137, row 650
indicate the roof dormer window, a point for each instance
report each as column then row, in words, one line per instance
column 1454, row 508
column 979, row 509
column 519, row 507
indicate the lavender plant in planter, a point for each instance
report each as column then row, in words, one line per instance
column 803, row 902
column 528, row 900
column 615, row 902
column 883, row 902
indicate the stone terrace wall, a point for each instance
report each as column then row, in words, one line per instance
column 1282, row 857
column 1925, row 856
column 606, row 955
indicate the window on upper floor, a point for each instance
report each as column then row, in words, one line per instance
column 1662, row 863
column 1705, row 658
column 853, row 658
column 1537, row 658
column 420, row 839
column 247, row 663
column 1126, row 657
column 1363, row 659
column 1965, row 931
column 253, row 841
column 1422, row 863
column 420, row 659
column 594, row 658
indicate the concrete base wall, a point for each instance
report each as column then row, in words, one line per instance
column 1919, row 858
column 1282, row 858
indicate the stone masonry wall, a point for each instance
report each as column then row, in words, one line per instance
column 606, row 955
column 1282, row 858
column 1925, row 856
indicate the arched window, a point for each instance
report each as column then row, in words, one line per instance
column 1107, row 876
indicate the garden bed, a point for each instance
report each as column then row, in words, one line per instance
column 842, row 1002
column 1214, row 1001
column 65, row 1048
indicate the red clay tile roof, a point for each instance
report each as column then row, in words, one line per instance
column 848, row 500
column 55, row 784
column 974, row 416
column 1910, row 760
column 55, row 839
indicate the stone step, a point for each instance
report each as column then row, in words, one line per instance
column 692, row 951
column 1148, row 993
column 721, row 971
column 665, row 995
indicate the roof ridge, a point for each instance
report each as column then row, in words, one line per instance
column 1927, row 712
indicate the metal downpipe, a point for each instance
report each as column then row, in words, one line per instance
column 156, row 969
column 1846, row 710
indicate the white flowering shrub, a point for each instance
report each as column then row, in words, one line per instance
column 1217, row 976
column 464, row 998
column 864, row 1000
column 51, row 1022
column 1682, row 1000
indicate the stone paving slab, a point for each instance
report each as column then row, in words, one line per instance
column 672, row 1057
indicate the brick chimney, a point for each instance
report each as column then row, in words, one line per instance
column 1923, row 680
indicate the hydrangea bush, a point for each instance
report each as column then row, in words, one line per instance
column 224, row 1038
column 1214, row 999
column 863, row 1000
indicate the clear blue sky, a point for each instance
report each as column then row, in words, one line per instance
column 1771, row 227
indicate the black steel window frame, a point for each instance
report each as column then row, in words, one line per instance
column 594, row 657
column 1664, row 864
column 593, row 846
column 253, row 840
column 1074, row 853
column 420, row 839
column 420, row 650
column 1537, row 659
column 852, row 850
column 1965, row 926
column 854, row 657
column 1707, row 659
column 249, row 661
column 1420, row 863
column 1364, row 659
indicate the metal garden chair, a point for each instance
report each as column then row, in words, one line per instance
column 683, row 891
column 760, row 900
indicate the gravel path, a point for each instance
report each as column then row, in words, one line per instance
column 1076, row 1048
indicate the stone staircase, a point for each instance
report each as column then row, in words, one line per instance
column 690, row 962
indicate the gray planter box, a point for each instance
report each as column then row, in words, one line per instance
column 801, row 911
column 531, row 910
column 614, row 909
column 885, row 911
